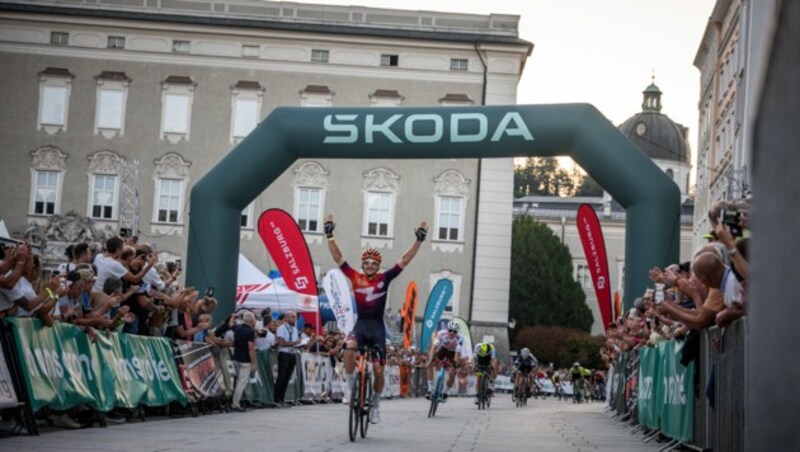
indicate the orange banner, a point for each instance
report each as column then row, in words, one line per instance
column 407, row 314
column 405, row 381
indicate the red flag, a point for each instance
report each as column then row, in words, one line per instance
column 288, row 249
column 595, row 249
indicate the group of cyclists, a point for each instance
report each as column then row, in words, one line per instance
column 370, row 287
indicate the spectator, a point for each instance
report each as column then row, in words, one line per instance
column 244, row 355
column 76, row 254
column 266, row 338
column 288, row 338
column 108, row 265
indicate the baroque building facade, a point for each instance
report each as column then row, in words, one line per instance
column 113, row 109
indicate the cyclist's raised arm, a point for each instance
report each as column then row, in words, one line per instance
column 421, row 232
column 335, row 252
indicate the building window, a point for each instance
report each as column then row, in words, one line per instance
column 582, row 276
column 245, row 108
column 459, row 64
column 379, row 212
column 59, row 38
column 452, row 191
column 104, row 195
column 171, row 177
column 246, row 220
column 169, row 200
column 319, row 56
column 449, row 218
column 112, row 96
column 47, row 176
column 310, row 182
column 308, row 209
column 389, row 60
column 316, row 96
column 116, row 42
column 181, row 46
column 46, row 193
column 386, row 98
column 251, row 51
column 54, row 105
column 178, row 94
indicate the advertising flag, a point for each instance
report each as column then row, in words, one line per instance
column 288, row 249
column 595, row 249
column 407, row 314
column 438, row 299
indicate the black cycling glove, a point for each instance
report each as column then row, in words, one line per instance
column 420, row 233
column 329, row 229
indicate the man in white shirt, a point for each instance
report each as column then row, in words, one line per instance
column 108, row 265
column 288, row 339
column 265, row 335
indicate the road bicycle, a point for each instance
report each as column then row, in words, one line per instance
column 484, row 397
column 438, row 387
column 521, row 390
column 361, row 393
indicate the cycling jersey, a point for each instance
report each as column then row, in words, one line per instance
column 526, row 364
column 370, row 293
column 484, row 354
column 444, row 340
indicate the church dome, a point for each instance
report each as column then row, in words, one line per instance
column 659, row 137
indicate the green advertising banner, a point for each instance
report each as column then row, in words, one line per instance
column 648, row 378
column 63, row 368
column 618, row 383
column 264, row 390
column 675, row 393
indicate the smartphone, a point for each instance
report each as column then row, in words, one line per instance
column 178, row 263
column 210, row 292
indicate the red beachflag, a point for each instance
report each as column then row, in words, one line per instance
column 288, row 249
column 595, row 249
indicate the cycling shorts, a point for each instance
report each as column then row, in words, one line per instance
column 444, row 354
column 370, row 332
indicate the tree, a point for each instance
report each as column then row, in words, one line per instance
column 543, row 177
column 561, row 346
column 589, row 187
column 543, row 291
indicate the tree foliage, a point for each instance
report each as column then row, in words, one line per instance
column 543, row 177
column 543, row 291
column 561, row 346
column 589, row 187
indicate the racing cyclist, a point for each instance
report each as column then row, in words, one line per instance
column 446, row 348
column 370, row 287
column 576, row 376
column 485, row 361
column 524, row 365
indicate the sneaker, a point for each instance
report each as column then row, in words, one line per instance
column 428, row 395
column 238, row 409
column 64, row 421
column 477, row 401
column 375, row 415
column 113, row 418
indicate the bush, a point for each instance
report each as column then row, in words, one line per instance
column 561, row 346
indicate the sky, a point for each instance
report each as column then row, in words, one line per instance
column 603, row 52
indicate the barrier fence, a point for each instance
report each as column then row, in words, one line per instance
column 690, row 391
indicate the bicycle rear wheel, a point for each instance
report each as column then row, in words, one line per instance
column 355, row 409
column 366, row 404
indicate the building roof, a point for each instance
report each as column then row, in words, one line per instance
column 298, row 17
column 557, row 207
column 659, row 137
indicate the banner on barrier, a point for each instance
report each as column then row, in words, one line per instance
column 263, row 390
column 647, row 407
column 62, row 368
column 675, row 393
column 8, row 397
column 618, row 384
column 316, row 372
column 201, row 372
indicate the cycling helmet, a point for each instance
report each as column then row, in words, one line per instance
column 577, row 364
column 371, row 253
column 525, row 352
column 453, row 325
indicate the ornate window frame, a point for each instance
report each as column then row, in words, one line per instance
column 311, row 175
column 244, row 90
column 109, row 81
column 379, row 180
column 171, row 166
column 46, row 159
column 54, row 78
column 104, row 163
column 450, row 184
column 385, row 98
column 316, row 96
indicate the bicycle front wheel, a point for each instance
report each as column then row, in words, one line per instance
column 355, row 409
column 366, row 404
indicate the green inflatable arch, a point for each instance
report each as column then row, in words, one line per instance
column 651, row 199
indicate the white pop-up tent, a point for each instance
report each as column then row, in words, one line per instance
column 257, row 291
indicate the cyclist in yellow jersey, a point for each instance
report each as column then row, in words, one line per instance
column 485, row 361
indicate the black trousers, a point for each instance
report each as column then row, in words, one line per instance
column 286, row 362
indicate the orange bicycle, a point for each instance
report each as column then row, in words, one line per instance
column 361, row 393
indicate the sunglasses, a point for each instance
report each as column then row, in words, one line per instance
column 452, row 331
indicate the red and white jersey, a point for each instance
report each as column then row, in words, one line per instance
column 452, row 343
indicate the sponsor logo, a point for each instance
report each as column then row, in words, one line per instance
column 422, row 128
column 429, row 323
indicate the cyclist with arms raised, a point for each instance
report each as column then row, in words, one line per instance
column 485, row 361
column 446, row 347
column 369, row 288
column 524, row 365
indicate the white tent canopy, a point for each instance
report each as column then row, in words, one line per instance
column 257, row 291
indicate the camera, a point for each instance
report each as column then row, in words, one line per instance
column 733, row 220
